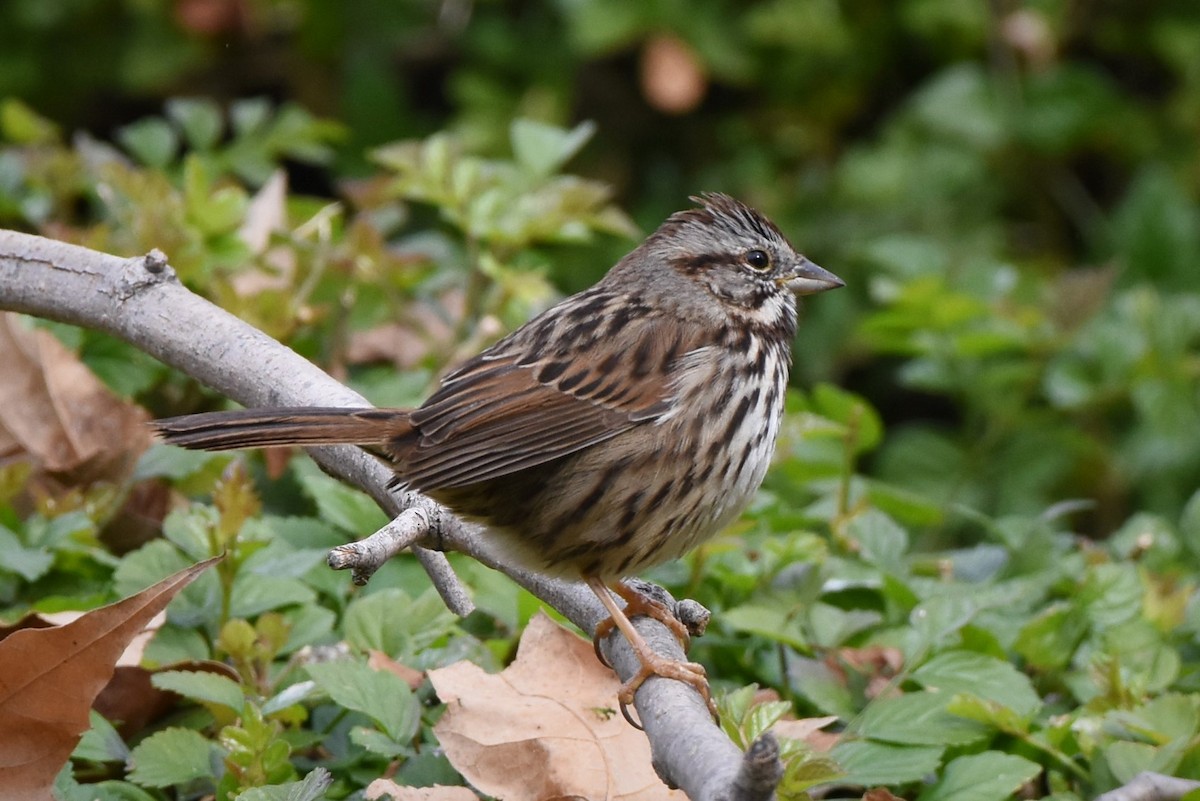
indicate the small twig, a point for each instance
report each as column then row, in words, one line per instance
column 1147, row 786
column 367, row 555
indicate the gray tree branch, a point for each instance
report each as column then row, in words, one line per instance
column 140, row 301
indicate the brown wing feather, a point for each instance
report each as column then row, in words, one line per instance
column 505, row 411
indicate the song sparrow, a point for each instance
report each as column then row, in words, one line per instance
column 617, row 430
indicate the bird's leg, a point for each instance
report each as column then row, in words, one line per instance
column 652, row 664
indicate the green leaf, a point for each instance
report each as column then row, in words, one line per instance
column 151, row 141
column 1157, row 230
column 200, row 120
column 101, row 742
column 1111, row 594
column 990, row 776
column 28, row 563
column 775, row 622
column 862, row 424
column 165, row 461
column 197, row 604
column 344, row 507
column 399, row 626
column 254, row 594
column 972, row 707
column 1050, row 639
column 543, row 149
column 21, row 125
column 869, row 763
column 311, row 788
column 174, row 756
column 918, row 718
column 191, row 528
column 984, row 676
column 377, row 742
column 940, row 617
column 882, row 542
column 378, row 694
column 212, row 688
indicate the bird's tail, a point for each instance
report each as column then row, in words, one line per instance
column 273, row 428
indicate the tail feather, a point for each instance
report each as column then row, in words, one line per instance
column 274, row 428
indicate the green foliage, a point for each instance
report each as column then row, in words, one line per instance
column 979, row 547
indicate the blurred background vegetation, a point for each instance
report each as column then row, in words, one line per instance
column 1011, row 191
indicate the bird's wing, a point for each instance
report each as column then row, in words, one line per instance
column 538, row 396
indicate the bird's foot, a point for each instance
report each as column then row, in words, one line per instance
column 651, row 663
column 638, row 603
column 654, row 665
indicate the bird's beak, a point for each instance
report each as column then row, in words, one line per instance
column 807, row 278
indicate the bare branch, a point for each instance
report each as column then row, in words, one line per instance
column 141, row 301
column 1147, row 786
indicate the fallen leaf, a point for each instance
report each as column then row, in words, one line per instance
column 49, row 678
column 546, row 726
column 388, row 789
column 56, row 413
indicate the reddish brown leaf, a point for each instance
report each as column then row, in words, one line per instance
column 55, row 413
column 49, row 678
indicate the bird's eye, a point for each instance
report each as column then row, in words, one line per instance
column 758, row 259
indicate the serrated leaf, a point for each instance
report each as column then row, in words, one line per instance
column 984, row 676
column 883, row 543
column 377, row 742
column 990, row 776
column 399, row 626
column 101, row 743
column 173, row 756
column 346, row 508
column 198, row 685
column 868, row 763
column 774, row 622
column 311, row 788
column 918, row 718
column 380, row 695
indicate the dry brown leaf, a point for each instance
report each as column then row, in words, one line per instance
column 56, row 413
column 266, row 215
column 378, row 660
column 50, row 676
column 387, row 789
column 808, row 730
column 880, row 794
column 673, row 79
column 546, row 726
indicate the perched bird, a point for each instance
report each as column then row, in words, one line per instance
column 615, row 431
